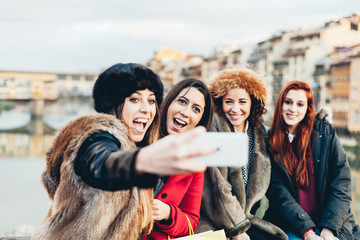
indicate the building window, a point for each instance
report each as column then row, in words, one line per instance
column 352, row 76
column 62, row 77
column 356, row 117
column 2, row 149
column 3, row 82
column 89, row 78
column 75, row 77
column 354, row 93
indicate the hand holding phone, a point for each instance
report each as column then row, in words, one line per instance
column 232, row 148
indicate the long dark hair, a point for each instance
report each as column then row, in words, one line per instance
column 296, row 167
column 207, row 117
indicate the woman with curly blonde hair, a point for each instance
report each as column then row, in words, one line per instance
column 232, row 194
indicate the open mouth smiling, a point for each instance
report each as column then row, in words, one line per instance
column 178, row 123
column 140, row 124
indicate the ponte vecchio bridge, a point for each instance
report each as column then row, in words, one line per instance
column 39, row 87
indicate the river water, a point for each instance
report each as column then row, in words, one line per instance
column 23, row 141
column 23, row 200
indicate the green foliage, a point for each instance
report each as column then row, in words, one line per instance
column 353, row 154
column 6, row 106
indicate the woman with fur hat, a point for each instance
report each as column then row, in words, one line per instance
column 100, row 171
column 231, row 194
column 178, row 198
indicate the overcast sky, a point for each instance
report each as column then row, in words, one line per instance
column 90, row 35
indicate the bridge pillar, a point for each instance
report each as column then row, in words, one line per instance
column 37, row 108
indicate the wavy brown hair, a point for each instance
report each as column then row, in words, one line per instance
column 294, row 158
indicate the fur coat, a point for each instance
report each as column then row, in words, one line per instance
column 225, row 204
column 83, row 212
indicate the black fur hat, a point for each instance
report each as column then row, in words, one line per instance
column 120, row 81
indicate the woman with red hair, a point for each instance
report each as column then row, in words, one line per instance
column 309, row 193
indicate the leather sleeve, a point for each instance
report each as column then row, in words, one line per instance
column 101, row 164
column 220, row 205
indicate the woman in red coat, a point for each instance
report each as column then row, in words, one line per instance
column 178, row 198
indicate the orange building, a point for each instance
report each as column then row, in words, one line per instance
column 339, row 76
column 354, row 95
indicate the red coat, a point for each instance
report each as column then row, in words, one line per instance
column 183, row 193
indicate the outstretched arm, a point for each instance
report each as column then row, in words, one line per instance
column 173, row 154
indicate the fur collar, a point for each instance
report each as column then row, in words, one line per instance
column 259, row 176
column 258, row 182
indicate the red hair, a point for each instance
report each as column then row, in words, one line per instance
column 294, row 158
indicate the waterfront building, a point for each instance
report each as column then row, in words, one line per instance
column 212, row 66
column 167, row 63
column 224, row 58
column 338, row 79
column 293, row 55
column 191, row 67
column 340, row 86
column 354, row 98
column 75, row 85
column 173, row 66
column 267, row 60
column 20, row 85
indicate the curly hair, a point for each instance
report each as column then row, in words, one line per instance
column 247, row 80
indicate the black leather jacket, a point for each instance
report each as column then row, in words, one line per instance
column 101, row 164
column 333, row 187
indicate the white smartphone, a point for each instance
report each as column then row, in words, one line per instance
column 233, row 148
